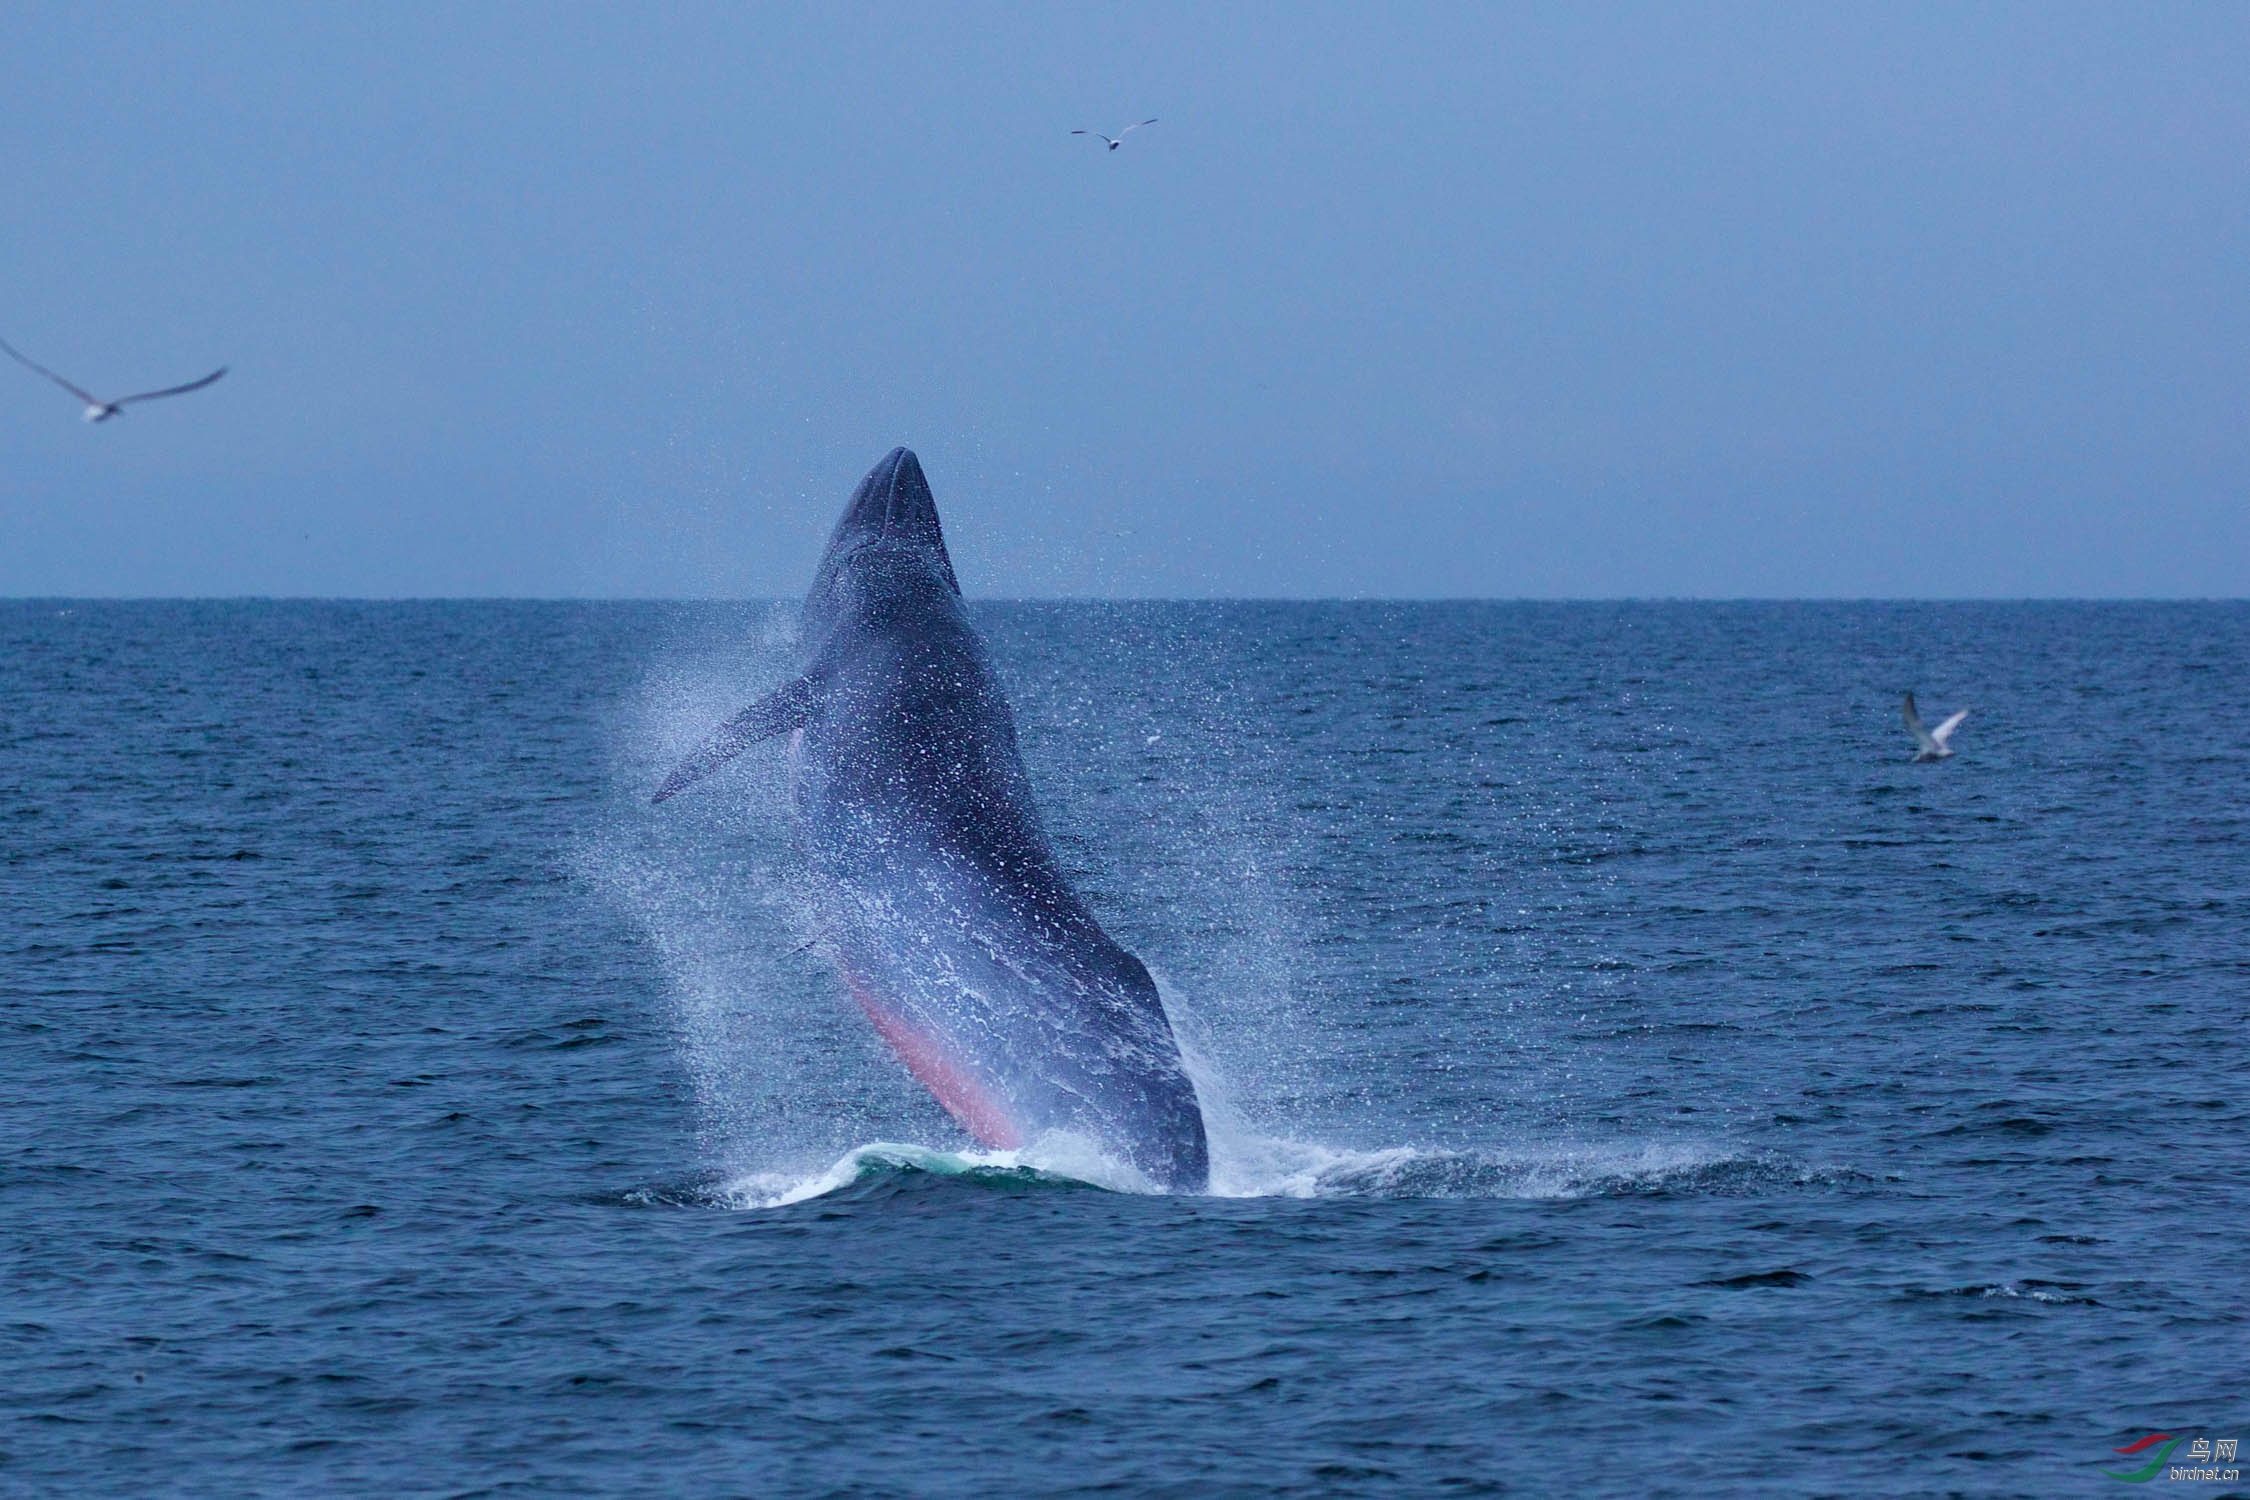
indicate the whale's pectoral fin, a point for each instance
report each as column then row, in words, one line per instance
column 776, row 713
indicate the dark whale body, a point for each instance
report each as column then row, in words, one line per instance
column 950, row 920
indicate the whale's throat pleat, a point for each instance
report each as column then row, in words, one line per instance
column 929, row 1060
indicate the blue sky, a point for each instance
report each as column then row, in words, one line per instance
column 1403, row 301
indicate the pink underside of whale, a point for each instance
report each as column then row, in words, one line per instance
column 953, row 1086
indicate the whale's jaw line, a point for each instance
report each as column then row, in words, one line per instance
column 895, row 496
column 892, row 506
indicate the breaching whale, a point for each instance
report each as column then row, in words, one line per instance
column 949, row 919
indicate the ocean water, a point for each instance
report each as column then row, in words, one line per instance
column 1630, row 1074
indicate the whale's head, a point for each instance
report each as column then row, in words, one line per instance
column 887, row 548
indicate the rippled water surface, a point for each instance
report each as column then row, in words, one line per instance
column 1629, row 1074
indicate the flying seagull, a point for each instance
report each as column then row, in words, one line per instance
column 1114, row 140
column 98, row 410
column 1932, row 742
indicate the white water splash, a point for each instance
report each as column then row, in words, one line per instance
column 1271, row 1167
column 787, row 1075
column 1055, row 1159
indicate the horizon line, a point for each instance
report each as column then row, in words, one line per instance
column 1371, row 599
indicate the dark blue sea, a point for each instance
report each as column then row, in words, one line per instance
column 1629, row 1073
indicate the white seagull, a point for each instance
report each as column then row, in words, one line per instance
column 1931, row 742
column 98, row 410
column 1114, row 140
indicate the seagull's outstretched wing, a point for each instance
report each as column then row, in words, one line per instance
column 172, row 390
column 1095, row 133
column 1945, row 730
column 1128, row 130
column 31, row 364
column 1917, row 728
